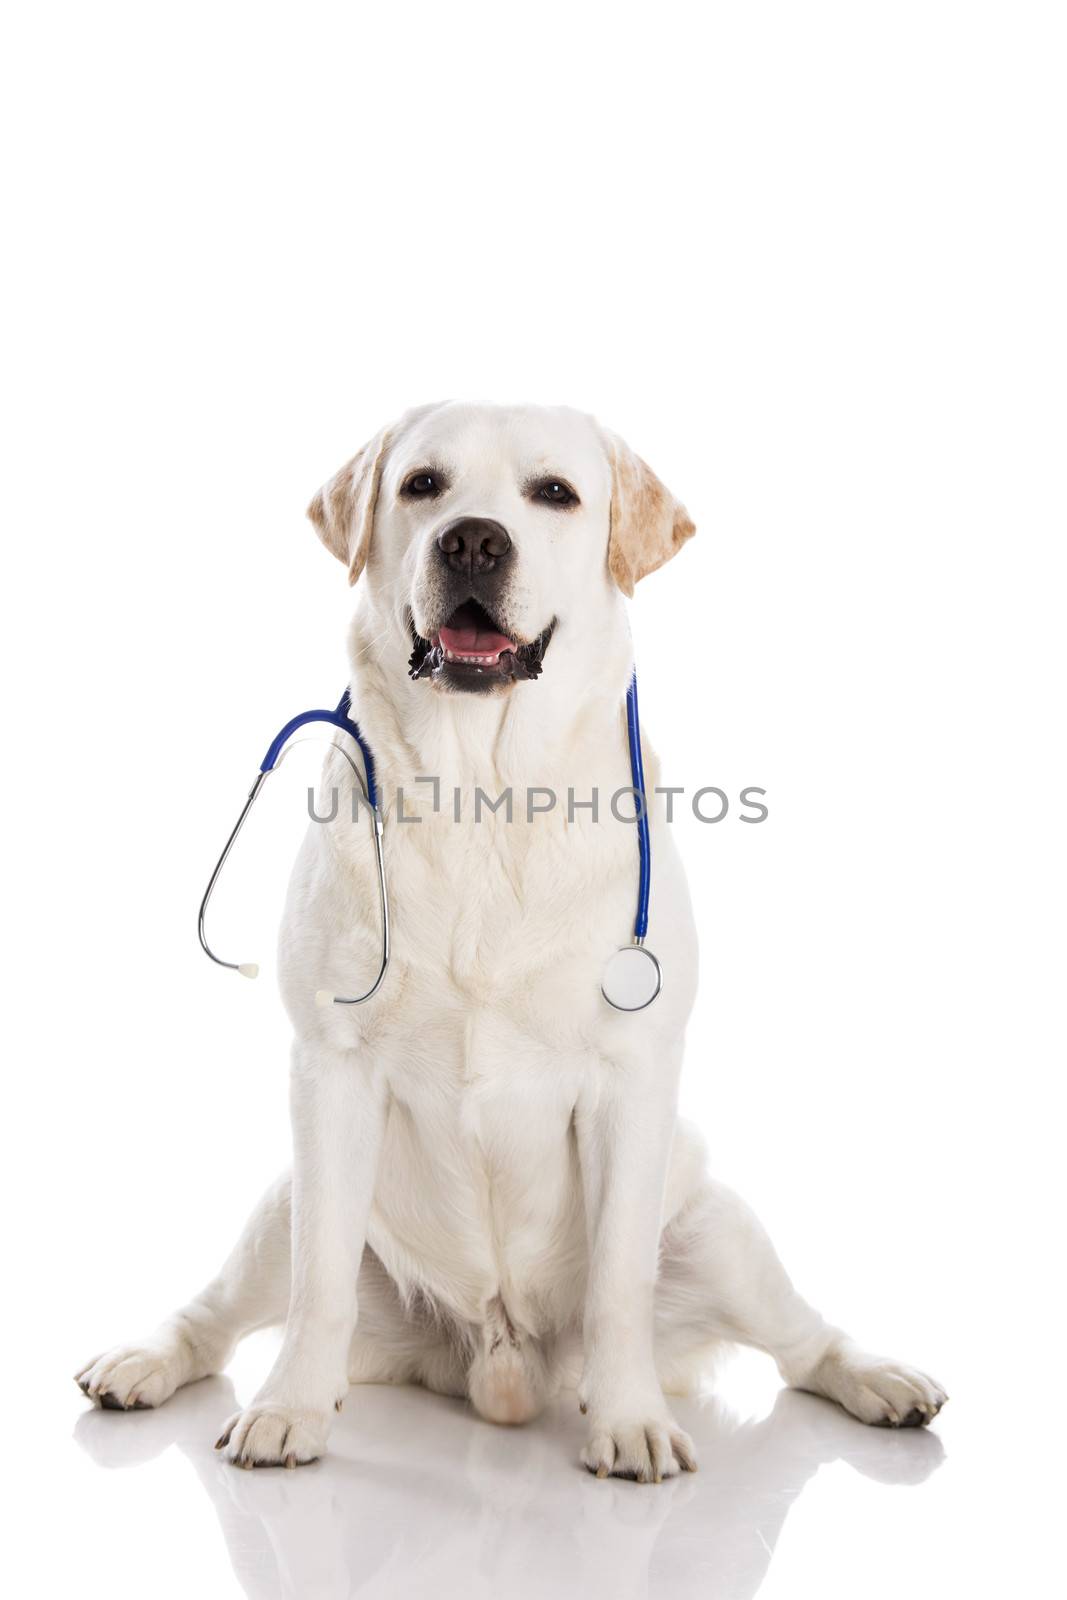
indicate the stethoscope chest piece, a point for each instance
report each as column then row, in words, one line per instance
column 632, row 978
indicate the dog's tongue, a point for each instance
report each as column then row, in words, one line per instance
column 467, row 635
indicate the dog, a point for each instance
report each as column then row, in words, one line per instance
column 491, row 1191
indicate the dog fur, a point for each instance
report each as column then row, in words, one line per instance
column 491, row 1193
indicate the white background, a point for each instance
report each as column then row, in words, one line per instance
column 810, row 261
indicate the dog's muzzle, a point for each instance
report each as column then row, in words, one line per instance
column 471, row 647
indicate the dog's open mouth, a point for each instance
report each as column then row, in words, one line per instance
column 470, row 637
column 471, row 651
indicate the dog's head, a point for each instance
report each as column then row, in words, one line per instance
column 486, row 531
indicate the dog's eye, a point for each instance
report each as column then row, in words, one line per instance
column 422, row 484
column 555, row 492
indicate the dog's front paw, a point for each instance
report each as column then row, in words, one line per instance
column 133, row 1377
column 648, row 1450
column 269, row 1434
column 886, row 1393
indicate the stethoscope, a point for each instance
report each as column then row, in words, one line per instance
column 632, row 978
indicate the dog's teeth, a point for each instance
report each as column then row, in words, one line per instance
column 469, row 658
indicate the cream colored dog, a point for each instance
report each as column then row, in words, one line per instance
column 491, row 1193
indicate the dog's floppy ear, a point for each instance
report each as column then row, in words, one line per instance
column 343, row 509
column 648, row 525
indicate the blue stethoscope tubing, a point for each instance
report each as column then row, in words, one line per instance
column 636, row 982
column 339, row 718
column 632, row 976
column 644, row 843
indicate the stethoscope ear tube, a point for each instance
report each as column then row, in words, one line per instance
column 247, row 969
column 337, row 718
column 323, row 997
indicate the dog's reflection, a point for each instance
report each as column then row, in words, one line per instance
column 419, row 1498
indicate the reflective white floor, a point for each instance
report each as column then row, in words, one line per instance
column 420, row 1498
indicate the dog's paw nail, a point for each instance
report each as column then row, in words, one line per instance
column 290, row 1462
column 582, row 1407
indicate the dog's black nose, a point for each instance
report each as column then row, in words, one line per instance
column 473, row 544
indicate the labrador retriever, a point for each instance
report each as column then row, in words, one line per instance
column 491, row 1192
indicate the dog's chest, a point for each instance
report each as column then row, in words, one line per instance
column 487, row 907
column 479, row 1190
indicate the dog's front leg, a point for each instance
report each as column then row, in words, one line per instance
column 337, row 1103
column 624, row 1127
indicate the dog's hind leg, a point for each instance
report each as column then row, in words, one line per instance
column 720, row 1280
column 250, row 1291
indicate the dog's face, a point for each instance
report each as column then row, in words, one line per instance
column 497, row 521
column 486, row 531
